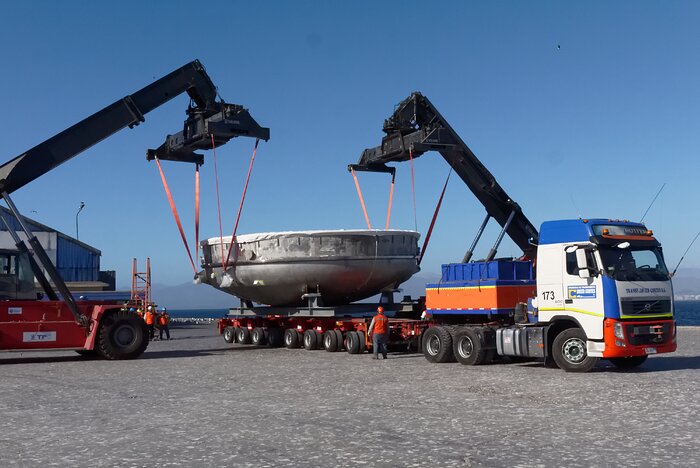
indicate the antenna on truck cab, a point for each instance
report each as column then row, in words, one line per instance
column 683, row 256
column 652, row 202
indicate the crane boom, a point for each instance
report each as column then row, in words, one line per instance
column 416, row 127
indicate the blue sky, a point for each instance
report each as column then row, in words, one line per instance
column 593, row 128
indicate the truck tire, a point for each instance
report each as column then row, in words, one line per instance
column 468, row 347
column 569, row 351
column 229, row 335
column 628, row 362
column 339, row 339
column 257, row 336
column 274, row 337
column 310, row 340
column 235, row 334
column 330, row 341
column 352, row 342
column 291, row 338
column 362, row 341
column 437, row 344
column 122, row 335
column 243, row 336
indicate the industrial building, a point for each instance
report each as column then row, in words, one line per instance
column 77, row 262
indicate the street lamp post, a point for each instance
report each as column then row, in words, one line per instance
column 82, row 205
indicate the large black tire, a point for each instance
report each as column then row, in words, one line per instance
column 257, row 336
column 569, row 351
column 243, row 336
column 352, row 342
column 437, row 344
column 235, row 334
column 468, row 347
column 330, row 341
column 229, row 335
column 274, row 337
column 339, row 339
column 291, row 338
column 362, row 341
column 310, row 340
column 122, row 335
column 628, row 362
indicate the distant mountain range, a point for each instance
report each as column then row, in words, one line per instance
column 686, row 284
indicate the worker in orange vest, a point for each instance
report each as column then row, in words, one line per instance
column 379, row 331
column 150, row 319
column 163, row 321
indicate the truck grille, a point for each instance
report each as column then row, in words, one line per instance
column 642, row 334
column 646, row 307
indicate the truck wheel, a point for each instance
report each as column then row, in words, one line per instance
column 229, row 335
column 352, row 342
column 310, row 340
column 122, row 335
column 257, row 336
column 339, row 339
column 291, row 338
column 362, row 342
column 274, row 337
column 330, row 341
column 569, row 351
column 235, row 334
column 437, row 344
column 468, row 348
column 628, row 362
column 243, row 336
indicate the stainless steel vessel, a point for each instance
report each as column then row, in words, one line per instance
column 277, row 268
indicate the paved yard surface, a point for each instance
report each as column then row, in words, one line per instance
column 197, row 401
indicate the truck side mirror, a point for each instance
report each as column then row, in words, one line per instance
column 582, row 264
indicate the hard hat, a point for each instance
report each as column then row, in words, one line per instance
column 150, row 308
column 164, row 309
column 380, row 309
column 131, row 309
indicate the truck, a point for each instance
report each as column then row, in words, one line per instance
column 583, row 289
column 54, row 319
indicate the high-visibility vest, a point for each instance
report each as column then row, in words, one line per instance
column 381, row 325
column 149, row 318
column 163, row 319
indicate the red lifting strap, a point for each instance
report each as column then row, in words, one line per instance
column 391, row 200
column 240, row 207
column 218, row 204
column 432, row 222
column 196, row 211
column 175, row 215
column 362, row 200
column 413, row 187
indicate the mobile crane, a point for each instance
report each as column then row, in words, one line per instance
column 90, row 327
column 602, row 289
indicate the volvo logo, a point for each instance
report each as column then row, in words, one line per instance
column 647, row 307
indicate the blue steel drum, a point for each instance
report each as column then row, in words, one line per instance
column 277, row 268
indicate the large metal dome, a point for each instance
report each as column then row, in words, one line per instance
column 277, row 268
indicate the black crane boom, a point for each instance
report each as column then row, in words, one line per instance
column 416, row 126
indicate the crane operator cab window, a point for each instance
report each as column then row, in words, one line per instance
column 16, row 277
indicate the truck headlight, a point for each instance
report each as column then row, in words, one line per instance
column 619, row 331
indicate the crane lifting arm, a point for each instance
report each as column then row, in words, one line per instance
column 205, row 118
column 208, row 119
column 417, row 127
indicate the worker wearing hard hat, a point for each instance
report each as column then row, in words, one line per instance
column 379, row 331
column 163, row 321
column 150, row 318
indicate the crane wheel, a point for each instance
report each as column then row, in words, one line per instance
column 122, row 335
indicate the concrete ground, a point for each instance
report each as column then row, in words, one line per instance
column 197, row 401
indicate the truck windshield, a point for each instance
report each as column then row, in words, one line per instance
column 634, row 264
